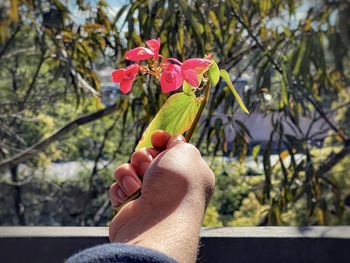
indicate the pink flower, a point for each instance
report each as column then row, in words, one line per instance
column 154, row 45
column 125, row 77
column 143, row 53
column 139, row 53
column 193, row 67
column 171, row 78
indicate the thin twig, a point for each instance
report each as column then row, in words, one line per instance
column 7, row 44
column 189, row 133
column 32, row 83
column 98, row 216
column 324, row 116
column 256, row 40
column 333, row 158
column 95, row 168
column 42, row 144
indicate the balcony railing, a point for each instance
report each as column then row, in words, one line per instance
column 240, row 244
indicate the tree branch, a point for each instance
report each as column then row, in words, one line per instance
column 32, row 83
column 20, row 51
column 279, row 69
column 100, row 212
column 256, row 40
column 41, row 145
column 324, row 116
column 8, row 43
column 333, row 159
column 89, row 196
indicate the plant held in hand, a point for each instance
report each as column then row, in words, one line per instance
column 181, row 112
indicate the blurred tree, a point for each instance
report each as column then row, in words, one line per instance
column 48, row 55
column 211, row 218
column 298, row 52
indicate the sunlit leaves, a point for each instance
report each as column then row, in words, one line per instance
column 175, row 117
column 265, row 6
column 255, row 152
column 313, row 53
column 14, row 10
column 187, row 89
column 226, row 77
column 214, row 73
column 195, row 26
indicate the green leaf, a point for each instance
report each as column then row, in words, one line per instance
column 197, row 28
column 226, row 77
column 175, row 117
column 187, row 89
column 255, row 152
column 284, row 92
column 214, row 73
column 301, row 57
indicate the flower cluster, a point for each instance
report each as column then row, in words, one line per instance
column 171, row 72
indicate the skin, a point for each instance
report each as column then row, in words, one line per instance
column 175, row 190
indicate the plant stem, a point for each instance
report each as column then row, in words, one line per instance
column 189, row 133
column 187, row 137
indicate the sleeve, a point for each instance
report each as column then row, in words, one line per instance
column 119, row 253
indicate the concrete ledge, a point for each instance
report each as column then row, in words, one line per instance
column 241, row 244
column 278, row 232
column 52, row 232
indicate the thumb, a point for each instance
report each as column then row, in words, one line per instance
column 174, row 140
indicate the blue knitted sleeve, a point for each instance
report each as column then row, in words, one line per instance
column 119, row 253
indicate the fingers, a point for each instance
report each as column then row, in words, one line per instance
column 174, row 141
column 127, row 178
column 141, row 159
column 116, row 194
column 162, row 140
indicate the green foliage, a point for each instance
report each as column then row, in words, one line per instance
column 299, row 69
column 187, row 89
column 176, row 116
column 226, row 77
column 251, row 213
column 211, row 218
column 214, row 73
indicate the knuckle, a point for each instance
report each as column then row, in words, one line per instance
column 122, row 166
column 110, row 192
column 112, row 189
column 191, row 149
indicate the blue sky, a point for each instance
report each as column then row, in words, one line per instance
column 282, row 21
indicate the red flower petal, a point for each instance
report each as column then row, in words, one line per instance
column 125, row 86
column 179, row 78
column 198, row 64
column 171, row 78
column 139, row 53
column 193, row 67
column 165, row 85
column 125, row 77
column 191, row 77
column 117, row 75
column 131, row 71
column 154, row 45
